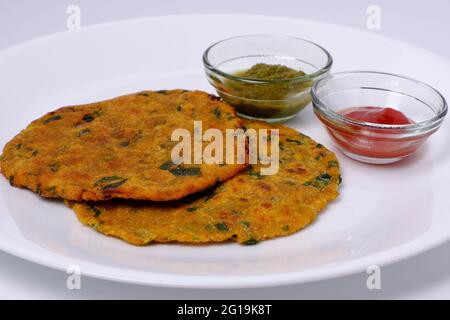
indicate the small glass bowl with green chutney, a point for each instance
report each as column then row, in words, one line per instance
column 266, row 77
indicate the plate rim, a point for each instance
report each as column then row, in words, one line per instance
column 382, row 258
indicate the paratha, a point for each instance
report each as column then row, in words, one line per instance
column 247, row 208
column 119, row 148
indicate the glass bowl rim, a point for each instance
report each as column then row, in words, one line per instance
column 328, row 113
column 306, row 77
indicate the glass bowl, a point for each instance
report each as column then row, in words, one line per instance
column 372, row 142
column 274, row 100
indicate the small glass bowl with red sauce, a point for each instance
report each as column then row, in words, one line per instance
column 377, row 117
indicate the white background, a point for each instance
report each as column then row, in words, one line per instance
column 423, row 23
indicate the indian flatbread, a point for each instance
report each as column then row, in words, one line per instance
column 247, row 208
column 119, row 148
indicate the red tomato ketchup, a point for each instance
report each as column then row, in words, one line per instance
column 377, row 115
column 370, row 142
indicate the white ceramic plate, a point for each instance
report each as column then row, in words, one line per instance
column 384, row 213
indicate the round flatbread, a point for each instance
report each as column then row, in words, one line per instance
column 119, row 148
column 247, row 208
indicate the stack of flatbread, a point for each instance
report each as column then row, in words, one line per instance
column 111, row 163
